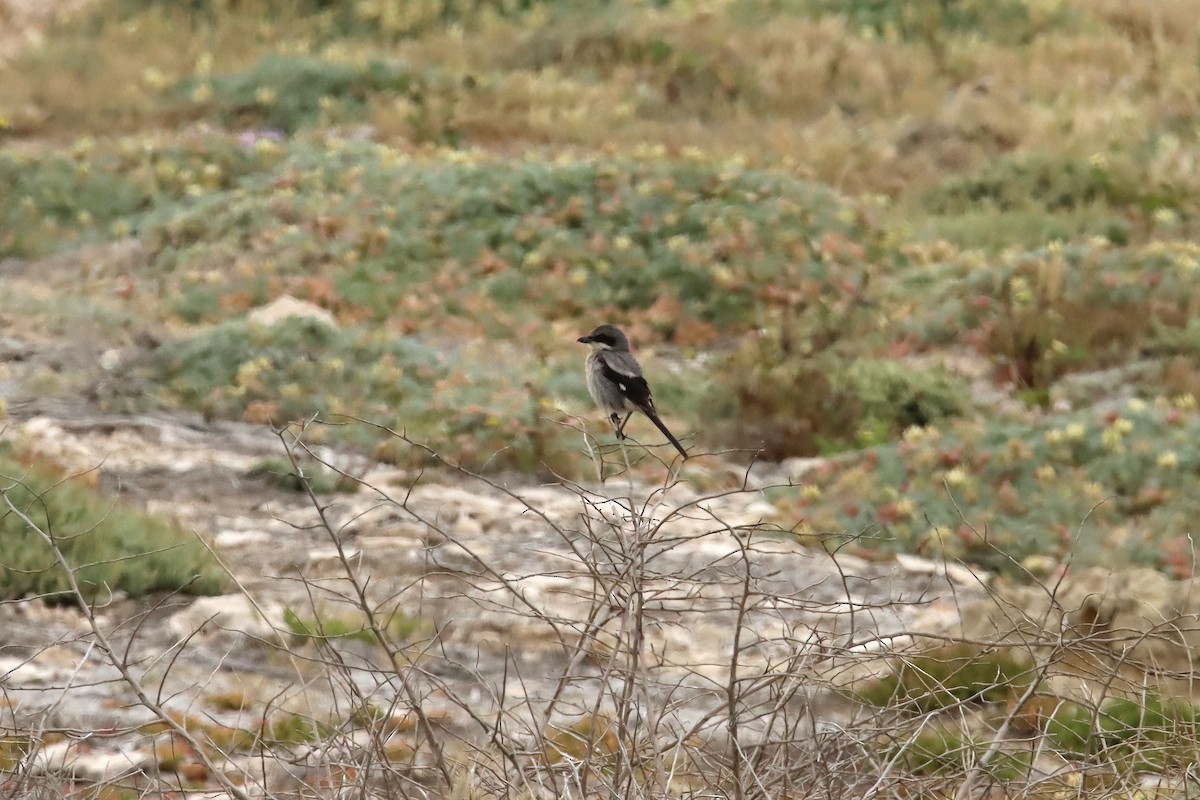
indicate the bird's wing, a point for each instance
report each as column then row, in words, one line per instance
column 623, row 370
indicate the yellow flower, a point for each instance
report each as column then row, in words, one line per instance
column 937, row 538
column 1166, row 216
column 1053, row 436
column 1168, row 460
column 155, row 78
column 1136, row 405
column 677, row 243
column 202, row 93
column 917, row 433
column 248, row 372
column 1045, row 473
column 204, row 65
column 956, row 477
column 1074, row 432
column 810, row 492
column 1022, row 294
column 1039, row 564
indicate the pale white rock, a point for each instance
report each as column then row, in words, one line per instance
column 52, row 758
column 234, row 538
column 388, row 476
column 760, row 510
column 447, row 503
column 380, row 518
column 324, row 562
column 231, row 614
column 455, row 558
column 324, row 555
column 104, row 767
column 957, row 574
column 395, row 554
column 110, row 359
column 25, row 673
column 71, row 758
column 464, row 526
column 516, row 524
column 288, row 307
column 796, row 468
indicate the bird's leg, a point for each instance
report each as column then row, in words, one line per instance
column 621, row 427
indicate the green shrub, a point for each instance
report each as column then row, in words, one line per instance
column 300, row 369
column 1053, row 183
column 1057, row 309
column 109, row 546
column 1008, row 21
column 894, row 396
column 396, row 626
column 370, row 19
column 326, row 629
column 282, row 474
column 288, row 372
column 996, row 492
column 1069, row 728
column 50, row 202
column 290, row 729
column 54, row 202
column 288, row 93
column 947, row 676
column 1147, row 733
column 677, row 243
column 943, row 751
column 804, row 405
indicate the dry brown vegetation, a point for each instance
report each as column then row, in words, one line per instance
column 947, row 246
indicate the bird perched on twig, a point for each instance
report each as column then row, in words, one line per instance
column 616, row 383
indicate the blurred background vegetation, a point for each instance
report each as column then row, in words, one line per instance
column 948, row 243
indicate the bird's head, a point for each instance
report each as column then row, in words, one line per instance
column 606, row 337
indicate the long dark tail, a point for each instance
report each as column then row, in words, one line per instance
column 658, row 423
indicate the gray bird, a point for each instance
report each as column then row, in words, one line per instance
column 615, row 381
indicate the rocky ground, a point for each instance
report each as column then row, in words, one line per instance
column 508, row 609
column 494, row 594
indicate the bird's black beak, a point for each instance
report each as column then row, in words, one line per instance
column 585, row 340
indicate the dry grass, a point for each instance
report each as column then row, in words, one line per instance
column 867, row 114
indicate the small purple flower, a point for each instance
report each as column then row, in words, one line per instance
column 249, row 139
